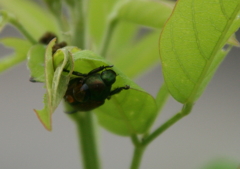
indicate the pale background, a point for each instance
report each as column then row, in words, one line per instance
column 211, row 130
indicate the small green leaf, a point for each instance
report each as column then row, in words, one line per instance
column 148, row 13
column 36, row 62
column 55, row 83
column 45, row 114
column 60, row 81
column 131, row 111
column 20, row 48
column 191, row 44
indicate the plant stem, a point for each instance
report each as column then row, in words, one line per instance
column 135, row 140
column 141, row 146
column 137, row 157
column 185, row 111
column 86, row 133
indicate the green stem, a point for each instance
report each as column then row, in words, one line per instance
column 86, row 133
column 107, row 37
column 135, row 140
column 137, row 157
column 141, row 146
column 162, row 97
column 23, row 31
column 185, row 111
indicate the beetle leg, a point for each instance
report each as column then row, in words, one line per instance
column 99, row 69
column 118, row 90
column 76, row 73
column 89, row 73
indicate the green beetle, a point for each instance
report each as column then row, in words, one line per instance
column 90, row 90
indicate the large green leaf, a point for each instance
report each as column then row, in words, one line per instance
column 191, row 44
column 36, row 20
column 131, row 111
column 20, row 48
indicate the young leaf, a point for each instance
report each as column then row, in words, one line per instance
column 191, row 44
column 60, row 80
column 55, row 83
column 20, row 48
column 131, row 111
column 36, row 62
column 45, row 114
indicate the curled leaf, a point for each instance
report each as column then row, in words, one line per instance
column 55, row 82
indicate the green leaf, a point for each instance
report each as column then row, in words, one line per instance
column 36, row 62
column 45, row 115
column 148, row 13
column 131, row 111
column 36, row 20
column 60, row 81
column 137, row 58
column 191, row 44
column 20, row 48
column 55, row 83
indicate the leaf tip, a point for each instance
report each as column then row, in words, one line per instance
column 47, row 124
